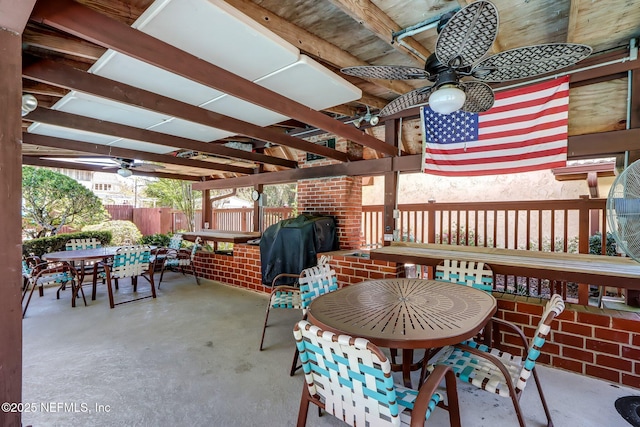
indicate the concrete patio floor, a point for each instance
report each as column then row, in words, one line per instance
column 190, row 358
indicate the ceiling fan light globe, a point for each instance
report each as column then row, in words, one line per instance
column 447, row 99
column 29, row 103
column 125, row 173
column 357, row 122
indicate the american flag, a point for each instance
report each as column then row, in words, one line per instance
column 525, row 130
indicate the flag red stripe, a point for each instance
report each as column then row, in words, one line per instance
column 527, row 104
column 519, row 156
column 523, row 131
column 524, row 117
column 483, row 172
column 484, row 148
column 525, row 90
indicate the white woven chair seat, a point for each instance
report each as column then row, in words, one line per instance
column 480, row 372
column 54, row 279
column 130, row 261
column 286, row 299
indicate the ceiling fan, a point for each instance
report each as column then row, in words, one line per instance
column 126, row 167
column 457, row 69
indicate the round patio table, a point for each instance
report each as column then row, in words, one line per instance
column 405, row 314
column 93, row 254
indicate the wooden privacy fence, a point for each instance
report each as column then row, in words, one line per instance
column 166, row 220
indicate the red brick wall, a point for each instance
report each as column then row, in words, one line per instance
column 594, row 342
column 340, row 197
column 242, row 269
column 351, row 269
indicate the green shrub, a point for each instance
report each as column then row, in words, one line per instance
column 58, row 242
column 158, row 239
column 595, row 244
column 123, row 232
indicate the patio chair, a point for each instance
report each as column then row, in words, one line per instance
column 501, row 372
column 28, row 265
column 284, row 296
column 128, row 261
column 476, row 274
column 82, row 267
column 181, row 259
column 52, row 274
column 351, row 379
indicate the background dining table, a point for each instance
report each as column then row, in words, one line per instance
column 405, row 314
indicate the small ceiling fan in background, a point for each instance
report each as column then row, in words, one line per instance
column 457, row 69
column 126, row 167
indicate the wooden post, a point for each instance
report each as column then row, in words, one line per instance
column 583, row 244
column 206, row 210
column 13, row 18
column 390, row 184
column 258, row 204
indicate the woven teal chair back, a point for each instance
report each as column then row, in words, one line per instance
column 468, row 273
column 316, row 281
column 175, row 242
column 353, row 378
column 130, row 261
column 552, row 309
column 75, row 244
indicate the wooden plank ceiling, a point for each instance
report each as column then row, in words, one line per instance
column 65, row 38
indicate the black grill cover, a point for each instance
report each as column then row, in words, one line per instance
column 291, row 245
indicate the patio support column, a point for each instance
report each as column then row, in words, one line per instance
column 390, row 184
column 13, row 18
column 206, row 209
column 258, row 204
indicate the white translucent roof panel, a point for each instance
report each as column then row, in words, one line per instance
column 142, row 146
column 122, row 68
column 245, row 111
column 111, row 111
column 218, row 33
column 62, row 132
column 186, row 129
column 311, row 84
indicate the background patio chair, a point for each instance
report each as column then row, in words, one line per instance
column 52, row 274
column 82, row 267
column 351, row 379
column 501, row 372
column 285, row 296
column 181, row 259
column 476, row 274
column 312, row 282
column 129, row 261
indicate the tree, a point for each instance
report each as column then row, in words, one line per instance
column 51, row 200
column 176, row 194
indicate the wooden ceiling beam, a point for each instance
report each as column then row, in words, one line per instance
column 59, row 118
column 108, row 151
column 36, row 161
column 71, row 17
column 310, row 43
column 410, row 163
column 14, row 14
column 379, row 23
column 572, row 22
column 37, row 88
column 52, row 40
column 603, row 144
column 51, row 72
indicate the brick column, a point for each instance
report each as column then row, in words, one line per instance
column 339, row 197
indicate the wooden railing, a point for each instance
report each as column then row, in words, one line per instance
column 553, row 225
column 241, row 219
